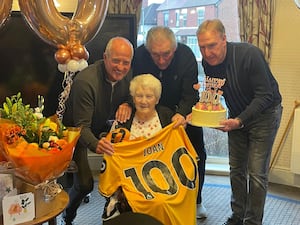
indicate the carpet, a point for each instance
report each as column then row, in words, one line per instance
column 278, row 210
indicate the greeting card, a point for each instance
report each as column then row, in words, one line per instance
column 18, row 209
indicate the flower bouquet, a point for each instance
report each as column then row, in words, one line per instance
column 39, row 148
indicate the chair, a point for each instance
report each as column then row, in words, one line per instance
column 131, row 218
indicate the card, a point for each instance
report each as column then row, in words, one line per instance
column 18, row 209
column 6, row 187
column 6, row 184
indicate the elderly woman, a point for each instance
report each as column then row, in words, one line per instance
column 147, row 118
column 169, row 169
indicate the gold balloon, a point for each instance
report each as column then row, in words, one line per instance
column 5, row 9
column 78, row 51
column 62, row 55
column 56, row 29
column 90, row 15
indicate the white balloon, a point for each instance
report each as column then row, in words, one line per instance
column 82, row 64
column 73, row 66
column 62, row 67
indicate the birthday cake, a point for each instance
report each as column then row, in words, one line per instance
column 209, row 111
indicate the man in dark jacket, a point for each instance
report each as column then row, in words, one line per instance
column 95, row 96
column 254, row 102
column 175, row 65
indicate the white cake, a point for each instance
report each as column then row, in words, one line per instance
column 207, row 118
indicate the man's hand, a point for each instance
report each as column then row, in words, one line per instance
column 123, row 113
column 180, row 120
column 188, row 118
column 230, row 124
column 104, row 146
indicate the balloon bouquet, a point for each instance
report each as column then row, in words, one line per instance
column 38, row 161
column 68, row 35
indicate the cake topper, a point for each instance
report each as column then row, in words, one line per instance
column 210, row 97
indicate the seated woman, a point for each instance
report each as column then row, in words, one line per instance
column 148, row 118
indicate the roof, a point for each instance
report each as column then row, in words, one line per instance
column 179, row 4
column 149, row 11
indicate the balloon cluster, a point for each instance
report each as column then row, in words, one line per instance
column 72, row 57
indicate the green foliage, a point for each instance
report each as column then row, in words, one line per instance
column 14, row 109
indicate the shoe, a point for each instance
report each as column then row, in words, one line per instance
column 201, row 211
column 233, row 221
column 63, row 221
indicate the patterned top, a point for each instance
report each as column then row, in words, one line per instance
column 145, row 128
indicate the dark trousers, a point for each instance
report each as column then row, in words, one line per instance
column 250, row 151
column 82, row 180
column 196, row 137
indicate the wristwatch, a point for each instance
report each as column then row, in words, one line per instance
column 241, row 123
column 297, row 2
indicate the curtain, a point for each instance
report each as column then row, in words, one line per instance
column 126, row 7
column 256, row 21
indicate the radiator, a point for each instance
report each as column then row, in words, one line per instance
column 295, row 157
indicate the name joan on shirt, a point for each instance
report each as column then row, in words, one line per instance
column 154, row 149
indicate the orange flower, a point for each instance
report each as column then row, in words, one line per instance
column 14, row 209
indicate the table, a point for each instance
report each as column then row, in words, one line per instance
column 47, row 211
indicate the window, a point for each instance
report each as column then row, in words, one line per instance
column 192, row 42
column 183, row 16
column 177, row 18
column 166, row 19
column 201, row 14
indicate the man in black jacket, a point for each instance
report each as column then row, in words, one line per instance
column 96, row 94
column 254, row 102
column 175, row 65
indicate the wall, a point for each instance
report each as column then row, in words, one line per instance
column 285, row 64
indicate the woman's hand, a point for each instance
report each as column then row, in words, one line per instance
column 105, row 146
